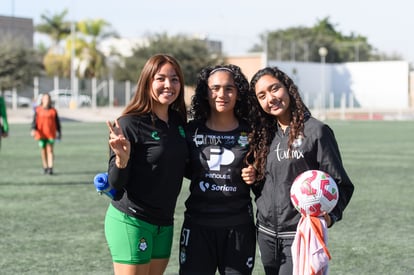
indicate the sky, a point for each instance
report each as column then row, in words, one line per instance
column 388, row 25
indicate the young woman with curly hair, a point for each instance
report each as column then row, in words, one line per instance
column 286, row 141
column 218, row 232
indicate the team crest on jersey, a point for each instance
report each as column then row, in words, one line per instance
column 155, row 136
column 243, row 140
column 142, row 244
column 249, row 262
column 183, row 255
column 181, row 131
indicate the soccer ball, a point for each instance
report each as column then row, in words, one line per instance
column 314, row 192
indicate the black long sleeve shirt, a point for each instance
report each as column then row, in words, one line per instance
column 149, row 186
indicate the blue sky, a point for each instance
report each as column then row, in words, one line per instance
column 388, row 25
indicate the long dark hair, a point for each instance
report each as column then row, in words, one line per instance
column 265, row 126
column 142, row 101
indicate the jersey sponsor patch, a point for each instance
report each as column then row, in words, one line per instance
column 218, row 157
column 205, row 186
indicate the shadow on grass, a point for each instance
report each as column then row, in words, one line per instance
column 50, row 183
column 57, row 178
column 66, row 119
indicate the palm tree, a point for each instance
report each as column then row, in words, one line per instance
column 92, row 61
column 56, row 27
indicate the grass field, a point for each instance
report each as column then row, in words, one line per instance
column 54, row 224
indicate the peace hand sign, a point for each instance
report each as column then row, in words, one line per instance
column 119, row 144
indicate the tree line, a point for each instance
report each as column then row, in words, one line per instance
column 76, row 45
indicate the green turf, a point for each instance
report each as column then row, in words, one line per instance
column 54, row 224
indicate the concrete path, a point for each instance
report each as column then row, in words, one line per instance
column 102, row 114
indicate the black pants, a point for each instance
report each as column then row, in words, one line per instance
column 276, row 254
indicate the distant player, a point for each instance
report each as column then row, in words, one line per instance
column 4, row 125
column 46, row 129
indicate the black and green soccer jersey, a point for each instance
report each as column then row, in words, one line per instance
column 149, row 186
column 219, row 196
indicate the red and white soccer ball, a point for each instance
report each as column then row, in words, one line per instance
column 314, row 192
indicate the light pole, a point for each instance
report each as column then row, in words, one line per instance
column 73, row 79
column 323, row 52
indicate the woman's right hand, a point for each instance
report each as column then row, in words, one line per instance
column 249, row 174
column 119, row 144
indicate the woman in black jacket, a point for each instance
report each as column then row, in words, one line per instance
column 286, row 141
column 146, row 167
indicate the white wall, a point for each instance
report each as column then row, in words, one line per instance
column 378, row 85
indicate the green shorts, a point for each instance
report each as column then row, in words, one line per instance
column 133, row 241
column 42, row 142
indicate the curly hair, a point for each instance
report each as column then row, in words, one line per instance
column 200, row 108
column 264, row 126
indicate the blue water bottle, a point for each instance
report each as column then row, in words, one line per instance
column 102, row 185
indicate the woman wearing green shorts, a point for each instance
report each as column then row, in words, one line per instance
column 148, row 153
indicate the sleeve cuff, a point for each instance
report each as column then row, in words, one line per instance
column 333, row 219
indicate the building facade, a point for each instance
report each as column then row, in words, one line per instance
column 18, row 28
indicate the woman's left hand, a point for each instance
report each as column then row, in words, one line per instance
column 327, row 219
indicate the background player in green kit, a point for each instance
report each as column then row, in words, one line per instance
column 218, row 232
column 4, row 127
column 146, row 167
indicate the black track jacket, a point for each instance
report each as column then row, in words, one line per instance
column 152, row 180
column 317, row 150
